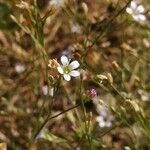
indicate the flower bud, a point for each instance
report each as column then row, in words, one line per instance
column 53, row 63
column 92, row 93
column 110, row 78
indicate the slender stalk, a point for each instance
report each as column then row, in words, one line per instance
column 50, row 118
column 107, row 26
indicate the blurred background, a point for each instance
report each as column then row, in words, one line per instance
column 112, row 45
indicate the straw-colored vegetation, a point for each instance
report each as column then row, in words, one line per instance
column 75, row 74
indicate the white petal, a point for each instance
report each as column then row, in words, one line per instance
column 129, row 10
column 103, row 113
column 99, row 119
column 136, row 18
column 74, row 73
column 108, row 124
column 58, row 3
column 140, row 9
column 67, row 77
column 133, row 5
column 20, row 68
column 141, row 17
column 45, row 89
column 60, row 70
column 102, row 124
column 64, row 60
column 75, row 64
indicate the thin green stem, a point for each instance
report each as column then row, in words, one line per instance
column 50, row 118
column 107, row 26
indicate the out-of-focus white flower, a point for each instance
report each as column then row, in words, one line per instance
column 144, row 98
column 104, row 119
column 20, row 68
column 57, row 3
column 40, row 135
column 67, row 69
column 47, row 90
column 136, row 11
column 69, row 51
column 143, row 95
column 75, row 28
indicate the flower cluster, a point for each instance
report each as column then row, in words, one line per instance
column 104, row 119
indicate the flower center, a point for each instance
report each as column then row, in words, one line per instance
column 67, row 69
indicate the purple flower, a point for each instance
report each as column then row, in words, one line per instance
column 92, row 93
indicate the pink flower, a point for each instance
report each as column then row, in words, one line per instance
column 92, row 93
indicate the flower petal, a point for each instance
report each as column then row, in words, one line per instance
column 75, row 64
column 140, row 9
column 99, row 119
column 136, row 18
column 67, row 77
column 108, row 124
column 60, row 70
column 102, row 124
column 129, row 10
column 64, row 60
column 74, row 73
column 133, row 5
column 141, row 17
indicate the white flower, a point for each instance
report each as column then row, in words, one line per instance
column 143, row 95
column 57, row 3
column 41, row 135
column 104, row 119
column 75, row 28
column 68, row 51
column 136, row 11
column 67, row 69
column 19, row 68
column 46, row 90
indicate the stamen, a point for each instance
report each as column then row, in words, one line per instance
column 67, row 69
